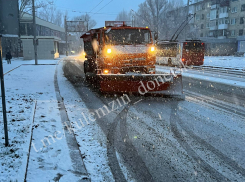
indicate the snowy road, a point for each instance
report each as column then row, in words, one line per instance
column 161, row 139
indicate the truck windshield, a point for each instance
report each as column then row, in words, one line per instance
column 128, row 36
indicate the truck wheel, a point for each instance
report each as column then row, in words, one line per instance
column 169, row 62
column 85, row 67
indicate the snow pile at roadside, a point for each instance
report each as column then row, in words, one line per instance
column 91, row 139
column 225, row 61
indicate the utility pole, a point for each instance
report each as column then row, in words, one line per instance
column 86, row 21
column 19, row 41
column 157, row 21
column 3, row 98
column 66, row 36
column 187, row 16
column 34, row 31
column 133, row 21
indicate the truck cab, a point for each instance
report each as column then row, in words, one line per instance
column 119, row 50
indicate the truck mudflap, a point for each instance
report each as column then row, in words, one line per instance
column 163, row 84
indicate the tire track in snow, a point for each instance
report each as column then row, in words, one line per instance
column 205, row 166
column 111, row 151
column 130, row 154
column 222, row 156
column 206, row 100
column 125, row 148
column 138, row 170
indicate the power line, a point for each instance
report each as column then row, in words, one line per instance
column 77, row 11
column 103, row 6
column 96, row 6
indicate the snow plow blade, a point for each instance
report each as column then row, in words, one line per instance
column 160, row 84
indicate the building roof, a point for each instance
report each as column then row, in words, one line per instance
column 27, row 18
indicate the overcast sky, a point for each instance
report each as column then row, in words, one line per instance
column 105, row 11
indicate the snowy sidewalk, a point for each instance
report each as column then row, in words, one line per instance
column 33, row 110
column 16, row 62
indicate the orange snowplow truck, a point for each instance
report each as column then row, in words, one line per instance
column 122, row 59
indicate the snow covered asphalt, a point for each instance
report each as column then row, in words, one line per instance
column 61, row 128
column 159, row 139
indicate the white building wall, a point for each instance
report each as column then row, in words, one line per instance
column 45, row 49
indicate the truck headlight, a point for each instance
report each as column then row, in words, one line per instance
column 105, row 71
column 108, row 51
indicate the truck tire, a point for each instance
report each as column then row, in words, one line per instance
column 85, row 67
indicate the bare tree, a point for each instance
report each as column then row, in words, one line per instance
column 89, row 22
column 150, row 14
column 176, row 4
column 25, row 6
column 123, row 16
column 51, row 14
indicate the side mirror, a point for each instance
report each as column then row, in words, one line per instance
column 156, row 36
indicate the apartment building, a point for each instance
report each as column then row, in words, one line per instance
column 9, row 26
column 219, row 23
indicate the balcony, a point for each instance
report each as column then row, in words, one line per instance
column 241, row 37
column 223, row 15
column 214, row 6
column 213, row 28
column 222, row 37
column 223, row 26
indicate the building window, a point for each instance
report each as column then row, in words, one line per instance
column 241, row 20
column 208, row 5
column 203, row 16
column 202, row 26
column 197, row 17
column 23, row 29
column 201, row 35
column 234, row 10
column 233, row 21
column 243, row 7
column 223, row 10
column 208, row 15
column 213, row 23
column 233, row 33
column 241, row 32
column 198, row 7
column 207, row 25
column 203, row 6
column 223, row 21
column 213, row 14
column 29, row 29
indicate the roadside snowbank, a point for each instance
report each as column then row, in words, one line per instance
column 91, row 139
column 225, row 61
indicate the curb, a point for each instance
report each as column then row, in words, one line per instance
column 74, row 147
